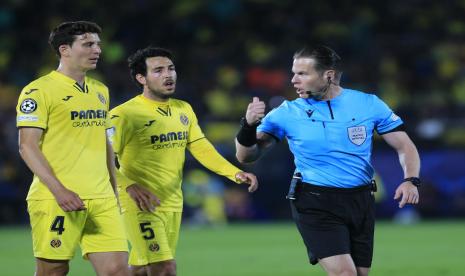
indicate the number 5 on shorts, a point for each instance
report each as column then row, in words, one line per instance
column 58, row 225
column 147, row 230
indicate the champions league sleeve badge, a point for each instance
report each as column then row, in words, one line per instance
column 28, row 106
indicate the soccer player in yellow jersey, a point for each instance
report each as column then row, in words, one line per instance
column 150, row 136
column 62, row 118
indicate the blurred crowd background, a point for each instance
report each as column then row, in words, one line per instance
column 411, row 53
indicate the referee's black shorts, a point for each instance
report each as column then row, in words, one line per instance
column 335, row 221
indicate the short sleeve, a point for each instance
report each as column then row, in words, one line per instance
column 270, row 124
column 385, row 119
column 32, row 109
column 120, row 131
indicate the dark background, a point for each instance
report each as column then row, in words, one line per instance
column 409, row 53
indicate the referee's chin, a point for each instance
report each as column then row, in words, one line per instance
column 303, row 95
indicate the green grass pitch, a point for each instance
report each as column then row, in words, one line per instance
column 428, row 248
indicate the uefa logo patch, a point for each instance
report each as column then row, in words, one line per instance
column 101, row 98
column 357, row 134
column 184, row 119
column 28, row 106
column 55, row 243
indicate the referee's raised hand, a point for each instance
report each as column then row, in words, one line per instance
column 255, row 111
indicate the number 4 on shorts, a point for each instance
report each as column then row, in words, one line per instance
column 58, row 225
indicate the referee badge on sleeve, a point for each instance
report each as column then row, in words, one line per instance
column 394, row 117
column 357, row 134
column 28, row 106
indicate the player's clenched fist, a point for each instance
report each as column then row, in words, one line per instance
column 255, row 111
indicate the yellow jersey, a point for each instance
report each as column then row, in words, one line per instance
column 150, row 139
column 74, row 120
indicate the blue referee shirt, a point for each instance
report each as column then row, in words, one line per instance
column 332, row 140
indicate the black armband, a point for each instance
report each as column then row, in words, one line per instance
column 247, row 135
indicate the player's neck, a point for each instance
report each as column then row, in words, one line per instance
column 75, row 74
column 152, row 96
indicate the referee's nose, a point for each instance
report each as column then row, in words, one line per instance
column 294, row 79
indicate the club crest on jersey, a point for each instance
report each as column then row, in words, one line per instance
column 357, row 134
column 101, row 98
column 184, row 119
column 28, row 106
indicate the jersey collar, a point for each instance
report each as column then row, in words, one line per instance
column 337, row 98
column 60, row 76
column 64, row 78
column 153, row 102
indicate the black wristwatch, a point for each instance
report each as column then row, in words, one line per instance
column 414, row 180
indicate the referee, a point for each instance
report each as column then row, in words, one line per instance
column 330, row 131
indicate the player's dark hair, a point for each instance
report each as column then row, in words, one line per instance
column 66, row 33
column 325, row 58
column 137, row 61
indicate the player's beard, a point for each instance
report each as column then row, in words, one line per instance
column 161, row 94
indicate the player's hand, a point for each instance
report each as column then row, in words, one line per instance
column 248, row 178
column 255, row 111
column 145, row 200
column 408, row 193
column 69, row 201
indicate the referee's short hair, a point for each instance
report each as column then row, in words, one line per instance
column 66, row 33
column 137, row 64
column 325, row 58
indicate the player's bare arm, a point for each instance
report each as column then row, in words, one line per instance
column 410, row 162
column 111, row 166
column 29, row 150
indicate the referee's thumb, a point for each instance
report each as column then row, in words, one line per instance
column 397, row 194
